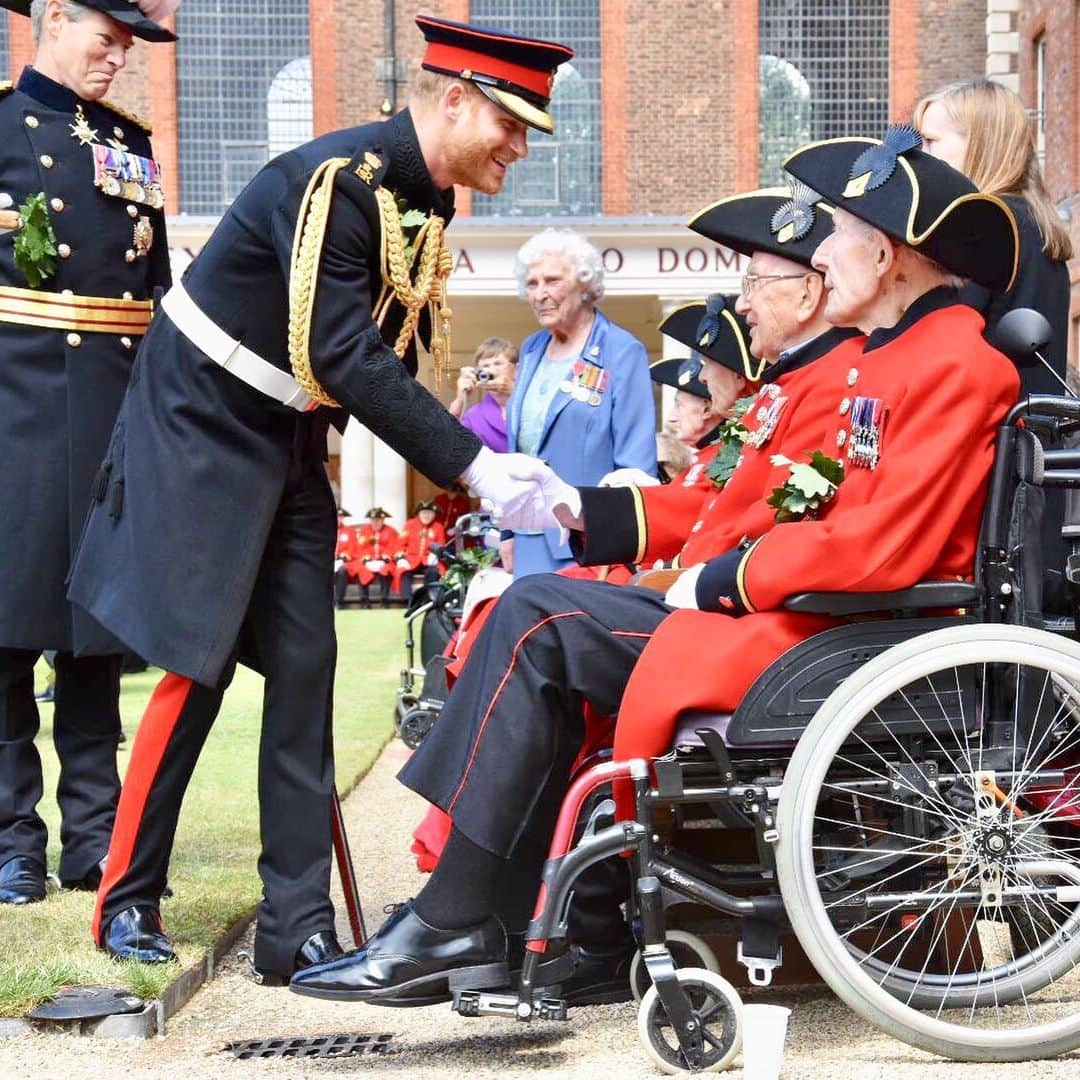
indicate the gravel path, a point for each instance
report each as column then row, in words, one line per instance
column 825, row 1039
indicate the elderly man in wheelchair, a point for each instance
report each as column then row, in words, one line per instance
column 919, row 840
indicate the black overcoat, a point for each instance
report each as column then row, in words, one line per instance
column 198, row 460
column 59, row 389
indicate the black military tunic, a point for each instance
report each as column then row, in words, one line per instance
column 66, row 351
column 244, row 567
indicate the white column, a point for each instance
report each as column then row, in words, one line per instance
column 389, row 482
column 670, row 350
column 357, row 469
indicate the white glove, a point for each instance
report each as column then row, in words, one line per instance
column 376, row 566
column 683, row 594
column 338, row 564
column 403, row 564
column 432, row 559
column 629, row 478
column 510, row 487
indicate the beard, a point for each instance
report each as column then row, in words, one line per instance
column 469, row 163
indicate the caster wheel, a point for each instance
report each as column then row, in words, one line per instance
column 415, row 725
column 687, row 951
column 717, row 1007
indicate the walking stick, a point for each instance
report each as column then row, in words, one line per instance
column 346, row 872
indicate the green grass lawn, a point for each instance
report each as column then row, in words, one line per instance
column 44, row 946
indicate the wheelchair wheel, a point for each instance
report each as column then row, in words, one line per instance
column 687, row 951
column 415, row 725
column 717, row 1008
column 926, row 857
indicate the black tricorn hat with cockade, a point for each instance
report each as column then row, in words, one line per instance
column 892, row 184
column 682, row 374
column 715, row 330
column 785, row 222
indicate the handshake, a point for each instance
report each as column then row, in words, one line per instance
column 522, row 493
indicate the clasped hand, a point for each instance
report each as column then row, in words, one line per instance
column 522, row 493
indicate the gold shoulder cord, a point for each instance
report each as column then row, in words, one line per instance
column 431, row 258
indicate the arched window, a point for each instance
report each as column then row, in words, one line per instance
column 240, row 66
column 823, row 73
column 562, row 174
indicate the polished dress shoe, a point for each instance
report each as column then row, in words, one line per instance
column 136, row 934
column 22, row 881
column 601, row 976
column 89, row 882
column 409, row 963
column 320, row 948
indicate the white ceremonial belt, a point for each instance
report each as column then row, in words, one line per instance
column 235, row 358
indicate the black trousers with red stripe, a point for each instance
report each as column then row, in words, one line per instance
column 86, row 730
column 499, row 759
column 289, row 631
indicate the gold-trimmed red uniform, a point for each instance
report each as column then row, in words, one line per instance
column 372, row 543
column 414, row 545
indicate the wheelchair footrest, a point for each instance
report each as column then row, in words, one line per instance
column 483, row 1003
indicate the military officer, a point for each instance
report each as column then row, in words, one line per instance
column 223, row 431
column 913, row 424
column 82, row 250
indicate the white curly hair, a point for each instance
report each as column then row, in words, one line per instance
column 585, row 262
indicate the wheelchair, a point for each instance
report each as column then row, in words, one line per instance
column 908, row 786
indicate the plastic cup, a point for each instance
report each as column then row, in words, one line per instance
column 764, row 1031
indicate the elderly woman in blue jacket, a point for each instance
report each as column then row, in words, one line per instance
column 583, row 400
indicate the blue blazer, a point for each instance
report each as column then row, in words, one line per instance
column 584, row 442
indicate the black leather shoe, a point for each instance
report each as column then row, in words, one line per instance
column 601, row 976
column 320, row 948
column 136, row 934
column 409, row 963
column 22, row 881
column 89, row 882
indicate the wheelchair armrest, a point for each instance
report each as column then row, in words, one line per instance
column 926, row 594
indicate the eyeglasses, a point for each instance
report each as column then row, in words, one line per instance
column 751, row 281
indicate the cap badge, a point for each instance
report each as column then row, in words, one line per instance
column 876, row 164
column 366, row 169
column 796, row 217
column 708, row 329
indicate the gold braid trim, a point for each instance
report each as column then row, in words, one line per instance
column 304, row 274
column 416, row 283
column 431, row 260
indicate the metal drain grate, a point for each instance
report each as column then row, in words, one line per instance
column 316, row 1046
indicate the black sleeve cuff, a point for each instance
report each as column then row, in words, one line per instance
column 613, row 533
column 717, row 584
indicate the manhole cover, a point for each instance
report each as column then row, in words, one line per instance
column 86, row 1003
column 315, row 1046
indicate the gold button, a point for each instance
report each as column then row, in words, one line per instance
column 129, row 296
column 63, row 250
column 118, row 132
column 31, row 121
column 46, row 161
column 844, row 406
column 133, row 211
column 841, row 437
column 126, row 342
column 74, row 340
column 67, row 292
column 129, row 255
column 57, row 204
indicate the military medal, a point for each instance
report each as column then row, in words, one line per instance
column 124, row 175
column 144, row 235
column 867, row 421
column 767, row 415
column 81, row 129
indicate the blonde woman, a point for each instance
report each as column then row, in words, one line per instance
column 982, row 128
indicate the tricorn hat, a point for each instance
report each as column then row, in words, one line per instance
column 515, row 72
column 342, row 512
column 785, row 222
column 424, row 504
column 377, row 512
column 141, row 18
column 921, row 201
column 682, row 374
column 714, row 329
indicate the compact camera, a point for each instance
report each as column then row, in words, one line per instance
column 483, row 375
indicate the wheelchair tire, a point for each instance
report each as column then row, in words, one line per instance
column 687, row 951
column 416, row 724
column 843, row 760
column 717, row 1006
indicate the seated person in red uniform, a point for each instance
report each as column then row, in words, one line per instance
column 451, row 504
column 376, row 544
column 346, row 557
column 914, row 412
column 414, row 547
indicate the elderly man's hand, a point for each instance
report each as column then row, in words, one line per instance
column 629, row 478
column 511, row 486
